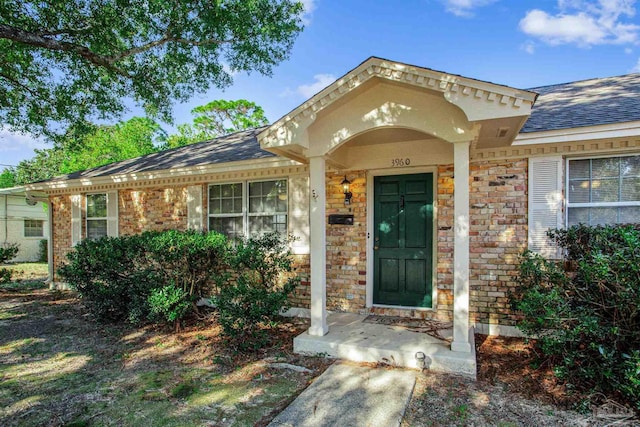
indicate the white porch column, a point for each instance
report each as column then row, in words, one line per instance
column 318, row 245
column 461, row 248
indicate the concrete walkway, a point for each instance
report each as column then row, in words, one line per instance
column 351, row 395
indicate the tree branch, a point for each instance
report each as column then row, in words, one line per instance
column 164, row 40
column 45, row 39
column 18, row 84
column 33, row 39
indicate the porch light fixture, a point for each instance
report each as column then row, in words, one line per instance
column 345, row 189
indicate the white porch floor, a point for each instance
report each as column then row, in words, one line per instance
column 351, row 339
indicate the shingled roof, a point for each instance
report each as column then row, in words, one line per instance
column 570, row 105
column 234, row 147
column 585, row 103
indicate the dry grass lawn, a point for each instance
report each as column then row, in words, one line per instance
column 58, row 367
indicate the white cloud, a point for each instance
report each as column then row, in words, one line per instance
column 309, row 7
column 15, row 147
column 529, row 47
column 307, row 91
column 636, row 68
column 628, row 51
column 584, row 23
column 227, row 69
column 465, row 7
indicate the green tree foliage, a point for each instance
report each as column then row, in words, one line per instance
column 92, row 145
column 7, row 178
column 44, row 165
column 107, row 144
column 585, row 312
column 98, row 146
column 217, row 118
column 66, row 62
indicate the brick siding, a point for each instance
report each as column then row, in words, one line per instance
column 498, row 233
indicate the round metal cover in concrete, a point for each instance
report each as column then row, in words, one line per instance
column 351, row 395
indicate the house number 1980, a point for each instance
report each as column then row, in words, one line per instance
column 396, row 163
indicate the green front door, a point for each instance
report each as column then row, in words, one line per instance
column 403, row 238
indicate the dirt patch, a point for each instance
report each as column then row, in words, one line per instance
column 443, row 400
column 59, row 367
column 511, row 390
column 513, row 363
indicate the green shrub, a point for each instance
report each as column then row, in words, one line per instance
column 586, row 311
column 169, row 304
column 8, row 251
column 116, row 276
column 254, row 298
column 43, row 250
column 111, row 276
column 187, row 259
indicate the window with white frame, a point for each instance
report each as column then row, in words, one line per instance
column 226, row 210
column 603, row 190
column 96, row 215
column 33, row 228
column 248, row 208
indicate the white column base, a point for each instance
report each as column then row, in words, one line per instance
column 318, row 330
column 461, row 347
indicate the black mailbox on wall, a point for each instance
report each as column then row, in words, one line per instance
column 341, row 219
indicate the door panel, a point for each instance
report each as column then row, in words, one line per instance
column 390, row 273
column 403, row 238
column 388, row 229
column 415, row 273
column 416, row 225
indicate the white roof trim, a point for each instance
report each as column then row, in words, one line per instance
column 587, row 133
column 420, row 77
column 246, row 165
column 13, row 190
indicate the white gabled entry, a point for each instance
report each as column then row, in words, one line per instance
column 380, row 94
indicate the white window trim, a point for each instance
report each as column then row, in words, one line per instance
column 86, row 213
column 245, row 202
column 228, row 215
column 24, row 229
column 569, row 205
column 255, row 215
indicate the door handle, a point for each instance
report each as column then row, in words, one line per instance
column 401, row 202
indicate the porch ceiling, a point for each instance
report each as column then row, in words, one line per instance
column 381, row 94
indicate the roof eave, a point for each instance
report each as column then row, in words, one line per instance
column 148, row 177
column 585, row 133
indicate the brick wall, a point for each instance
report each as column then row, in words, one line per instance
column 152, row 209
column 61, row 206
column 498, row 234
column 444, row 261
column 346, row 244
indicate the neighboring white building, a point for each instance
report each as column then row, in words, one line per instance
column 22, row 221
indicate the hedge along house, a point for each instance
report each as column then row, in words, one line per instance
column 412, row 192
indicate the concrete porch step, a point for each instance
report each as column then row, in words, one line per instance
column 352, row 339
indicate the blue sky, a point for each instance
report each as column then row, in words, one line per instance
column 518, row 43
